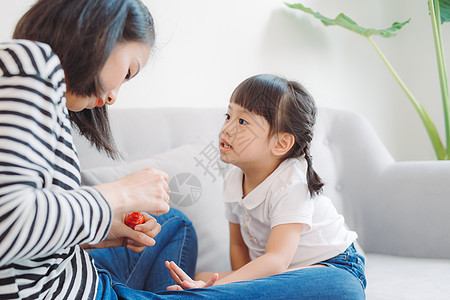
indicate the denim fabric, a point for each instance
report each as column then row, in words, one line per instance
column 126, row 275
column 146, row 271
column 311, row 283
column 351, row 261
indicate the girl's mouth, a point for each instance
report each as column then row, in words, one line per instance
column 224, row 146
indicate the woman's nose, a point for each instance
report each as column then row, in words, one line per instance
column 111, row 97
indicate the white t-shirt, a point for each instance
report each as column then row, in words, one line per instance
column 283, row 198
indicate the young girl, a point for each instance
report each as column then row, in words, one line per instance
column 279, row 220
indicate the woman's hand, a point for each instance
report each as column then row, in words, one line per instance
column 184, row 281
column 146, row 191
column 121, row 235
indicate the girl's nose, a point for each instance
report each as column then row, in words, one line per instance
column 226, row 129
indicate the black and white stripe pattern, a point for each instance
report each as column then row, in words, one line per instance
column 44, row 213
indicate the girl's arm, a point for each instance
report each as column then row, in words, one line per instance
column 239, row 255
column 280, row 249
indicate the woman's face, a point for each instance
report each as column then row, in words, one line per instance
column 125, row 61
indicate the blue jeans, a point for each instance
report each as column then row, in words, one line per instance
column 146, row 270
column 351, row 261
column 138, row 280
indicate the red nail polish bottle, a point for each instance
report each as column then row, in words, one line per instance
column 133, row 219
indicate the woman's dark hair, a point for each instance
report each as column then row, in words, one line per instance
column 287, row 107
column 83, row 33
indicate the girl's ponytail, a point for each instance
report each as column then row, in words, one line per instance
column 299, row 116
column 315, row 183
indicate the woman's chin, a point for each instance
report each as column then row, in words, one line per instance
column 78, row 103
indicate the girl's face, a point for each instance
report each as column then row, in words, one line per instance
column 243, row 139
column 125, row 61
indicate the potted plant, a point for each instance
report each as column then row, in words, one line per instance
column 439, row 13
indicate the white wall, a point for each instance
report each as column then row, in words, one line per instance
column 206, row 47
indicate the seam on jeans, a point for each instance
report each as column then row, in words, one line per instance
column 170, row 219
column 112, row 282
column 140, row 257
column 134, row 268
column 182, row 244
column 106, row 272
column 361, row 278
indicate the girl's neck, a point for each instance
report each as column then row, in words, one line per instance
column 254, row 176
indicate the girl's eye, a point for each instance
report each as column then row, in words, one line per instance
column 128, row 76
column 242, row 122
column 227, row 117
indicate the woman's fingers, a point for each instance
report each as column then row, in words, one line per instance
column 104, row 244
column 145, row 190
column 159, row 178
column 136, row 248
column 160, row 208
column 139, row 238
column 164, row 175
column 150, row 226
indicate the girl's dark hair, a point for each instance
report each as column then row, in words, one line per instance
column 83, row 33
column 287, row 107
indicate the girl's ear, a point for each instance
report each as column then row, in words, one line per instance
column 283, row 143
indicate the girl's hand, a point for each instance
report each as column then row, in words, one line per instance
column 184, row 281
column 121, row 235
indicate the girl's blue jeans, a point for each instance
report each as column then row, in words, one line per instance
column 124, row 274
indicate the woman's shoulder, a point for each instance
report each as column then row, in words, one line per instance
column 30, row 58
column 27, row 44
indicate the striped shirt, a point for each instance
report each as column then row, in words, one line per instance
column 44, row 213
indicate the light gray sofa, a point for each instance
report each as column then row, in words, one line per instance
column 400, row 210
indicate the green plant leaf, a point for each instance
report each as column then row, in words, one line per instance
column 444, row 6
column 346, row 22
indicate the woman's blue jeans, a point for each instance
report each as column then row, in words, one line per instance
column 146, row 270
column 127, row 275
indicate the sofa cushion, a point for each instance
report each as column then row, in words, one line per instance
column 395, row 277
column 195, row 180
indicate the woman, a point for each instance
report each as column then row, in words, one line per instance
column 85, row 51
column 71, row 59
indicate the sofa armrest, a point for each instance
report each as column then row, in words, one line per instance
column 408, row 210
